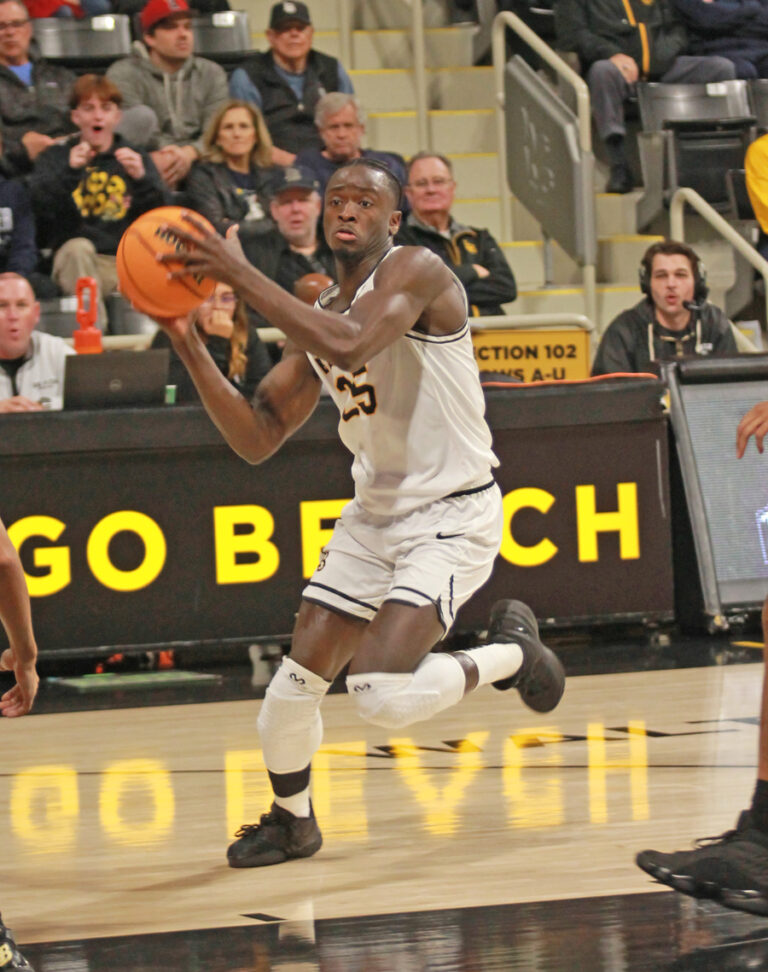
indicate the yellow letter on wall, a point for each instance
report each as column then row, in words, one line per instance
column 229, row 544
column 56, row 559
column 623, row 521
column 97, row 550
column 511, row 550
column 313, row 535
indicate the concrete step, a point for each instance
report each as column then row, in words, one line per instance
column 451, row 131
column 611, row 300
column 444, row 47
column 394, row 89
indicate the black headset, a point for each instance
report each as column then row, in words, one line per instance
column 700, row 286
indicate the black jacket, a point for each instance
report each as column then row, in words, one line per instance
column 292, row 124
column 42, row 107
column 634, row 340
column 647, row 30
column 467, row 245
column 257, row 365
column 211, row 191
column 99, row 201
column 272, row 255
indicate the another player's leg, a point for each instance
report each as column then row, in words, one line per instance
column 291, row 731
column 11, row 959
column 733, row 868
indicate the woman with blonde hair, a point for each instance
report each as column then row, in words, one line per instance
column 233, row 342
column 229, row 184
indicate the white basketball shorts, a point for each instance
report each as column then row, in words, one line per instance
column 440, row 554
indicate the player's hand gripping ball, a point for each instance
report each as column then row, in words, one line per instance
column 143, row 280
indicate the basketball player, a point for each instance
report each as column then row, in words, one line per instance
column 20, row 659
column 731, row 869
column 392, row 345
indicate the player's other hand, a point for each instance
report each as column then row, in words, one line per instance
column 755, row 422
column 18, row 701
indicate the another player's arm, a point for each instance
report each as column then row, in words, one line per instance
column 283, row 400
column 16, row 617
column 755, row 422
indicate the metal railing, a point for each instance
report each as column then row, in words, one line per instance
column 716, row 221
column 522, row 322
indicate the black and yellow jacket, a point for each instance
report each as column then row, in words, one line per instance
column 460, row 249
column 647, row 30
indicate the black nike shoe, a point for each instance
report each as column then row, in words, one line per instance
column 11, row 959
column 732, row 869
column 541, row 678
column 277, row 837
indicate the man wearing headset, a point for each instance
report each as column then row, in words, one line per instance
column 673, row 319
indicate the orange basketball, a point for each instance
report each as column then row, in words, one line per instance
column 143, row 281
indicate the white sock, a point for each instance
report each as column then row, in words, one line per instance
column 298, row 804
column 494, row 662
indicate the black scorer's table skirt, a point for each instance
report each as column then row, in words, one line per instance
column 140, row 527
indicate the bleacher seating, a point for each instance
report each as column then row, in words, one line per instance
column 84, row 45
column 691, row 135
column 224, row 36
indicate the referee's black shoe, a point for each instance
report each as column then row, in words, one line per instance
column 279, row 836
column 541, row 678
column 11, row 959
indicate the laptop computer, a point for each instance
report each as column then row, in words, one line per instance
column 116, row 378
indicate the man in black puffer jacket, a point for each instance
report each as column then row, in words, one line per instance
column 621, row 42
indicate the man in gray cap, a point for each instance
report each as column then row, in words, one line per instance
column 294, row 248
column 286, row 81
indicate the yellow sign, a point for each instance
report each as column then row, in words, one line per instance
column 533, row 355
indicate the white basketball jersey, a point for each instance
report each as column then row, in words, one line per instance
column 413, row 417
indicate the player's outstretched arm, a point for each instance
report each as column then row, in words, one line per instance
column 755, row 422
column 16, row 618
column 284, row 399
column 407, row 283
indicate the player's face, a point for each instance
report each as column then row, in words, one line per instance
column 296, row 212
column 237, row 134
column 292, row 42
column 342, row 134
column 19, row 313
column 430, row 186
column 96, row 120
column 672, row 282
column 172, row 39
column 360, row 214
column 15, row 33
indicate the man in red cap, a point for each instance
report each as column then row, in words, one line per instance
column 183, row 91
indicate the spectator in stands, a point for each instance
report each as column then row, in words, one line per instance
column 472, row 253
column 619, row 44
column 287, row 81
column 673, row 319
column 756, row 177
column 34, row 95
column 67, row 8
column 183, row 91
column 89, row 189
column 736, row 29
column 294, row 248
column 132, row 7
column 31, row 363
column 231, row 182
column 232, row 341
column 340, row 120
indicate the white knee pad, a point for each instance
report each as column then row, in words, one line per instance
column 394, row 700
column 290, row 725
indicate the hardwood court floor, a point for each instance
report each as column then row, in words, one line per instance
column 489, row 838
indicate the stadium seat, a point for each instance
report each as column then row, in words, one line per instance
column 691, row 135
column 224, row 37
column 85, row 45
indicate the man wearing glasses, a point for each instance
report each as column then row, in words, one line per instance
column 472, row 253
column 34, row 95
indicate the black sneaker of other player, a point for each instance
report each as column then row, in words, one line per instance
column 277, row 837
column 11, row 959
column 541, row 678
column 731, row 869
